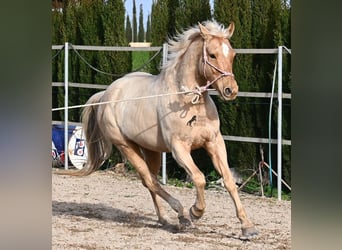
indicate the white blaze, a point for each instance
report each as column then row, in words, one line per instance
column 225, row 49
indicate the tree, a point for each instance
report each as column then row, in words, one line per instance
column 236, row 117
column 159, row 22
column 159, row 32
column 128, row 29
column 172, row 9
column 259, row 24
column 190, row 12
column 116, row 62
column 148, row 29
column 71, row 35
column 135, row 26
column 141, row 33
column 89, row 22
column 270, row 29
column 57, row 65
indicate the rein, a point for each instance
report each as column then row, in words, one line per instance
column 206, row 61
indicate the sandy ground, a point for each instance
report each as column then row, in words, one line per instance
column 109, row 210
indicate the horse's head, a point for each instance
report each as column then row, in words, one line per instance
column 217, row 62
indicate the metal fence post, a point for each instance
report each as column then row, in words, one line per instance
column 279, row 123
column 66, row 97
column 165, row 51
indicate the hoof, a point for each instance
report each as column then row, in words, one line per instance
column 249, row 232
column 185, row 223
column 193, row 216
column 164, row 220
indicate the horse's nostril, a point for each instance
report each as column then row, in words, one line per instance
column 228, row 91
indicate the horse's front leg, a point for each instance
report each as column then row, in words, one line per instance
column 181, row 153
column 218, row 154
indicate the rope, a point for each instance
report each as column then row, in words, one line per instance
column 269, row 123
column 288, row 50
column 59, row 51
column 194, row 101
column 111, row 74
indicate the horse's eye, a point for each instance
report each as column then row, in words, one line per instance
column 212, row 56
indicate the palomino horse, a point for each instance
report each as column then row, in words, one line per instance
column 179, row 117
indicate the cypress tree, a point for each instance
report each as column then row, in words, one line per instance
column 148, row 29
column 141, row 32
column 236, row 116
column 70, row 34
column 271, row 29
column 128, row 30
column 263, row 65
column 91, row 22
column 159, row 32
column 135, row 26
column 173, row 6
column 113, row 23
column 87, row 25
column 159, row 22
column 190, row 12
column 57, row 62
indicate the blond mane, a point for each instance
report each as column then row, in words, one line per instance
column 180, row 43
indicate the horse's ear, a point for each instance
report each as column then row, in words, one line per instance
column 204, row 31
column 230, row 30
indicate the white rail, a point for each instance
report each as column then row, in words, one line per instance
column 279, row 141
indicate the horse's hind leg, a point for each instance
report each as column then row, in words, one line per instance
column 135, row 157
column 153, row 160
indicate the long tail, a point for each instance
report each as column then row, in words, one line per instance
column 99, row 148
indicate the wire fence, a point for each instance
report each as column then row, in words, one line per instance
column 281, row 49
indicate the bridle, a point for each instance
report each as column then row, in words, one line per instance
column 205, row 62
column 200, row 89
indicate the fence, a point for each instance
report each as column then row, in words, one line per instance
column 280, row 95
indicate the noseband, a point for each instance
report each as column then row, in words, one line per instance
column 205, row 62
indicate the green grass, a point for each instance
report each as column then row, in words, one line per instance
column 139, row 58
column 179, row 183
